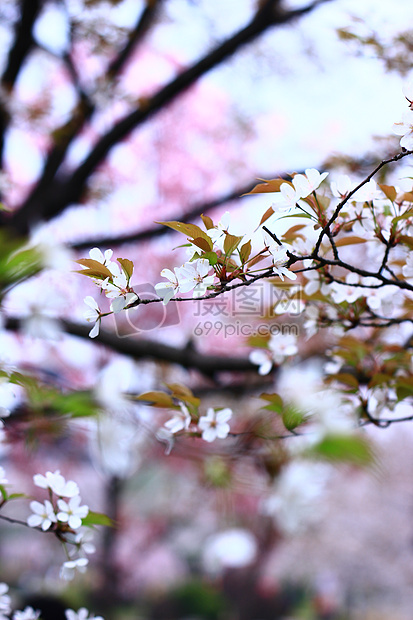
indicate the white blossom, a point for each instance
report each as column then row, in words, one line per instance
column 3, row 479
column 92, row 315
column 341, row 187
column 282, row 346
column 233, row 548
column 98, row 256
column 180, row 420
column 5, row 600
column 81, row 614
column 57, row 483
column 71, row 512
column 263, row 359
column 27, row 614
column 218, row 232
column 69, row 568
column 294, row 501
column 405, row 129
column 194, row 276
column 44, row 515
column 346, row 291
column 286, row 199
column 215, row 424
column 84, row 540
column 166, row 290
column 306, row 184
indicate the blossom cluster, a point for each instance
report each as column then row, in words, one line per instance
column 32, row 614
column 63, row 511
column 213, row 425
column 113, row 278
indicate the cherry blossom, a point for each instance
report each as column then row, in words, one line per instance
column 71, row 512
column 44, row 515
column 122, row 302
column 69, row 568
column 166, row 290
column 263, row 359
column 194, row 276
column 215, row 424
column 81, row 614
column 286, row 199
column 341, row 187
column 57, row 483
column 27, row 614
column 407, row 269
column 217, row 233
column 5, row 601
column 279, row 259
column 346, row 291
column 405, row 129
column 306, row 184
column 233, row 548
column 93, row 315
column 294, row 502
column 98, row 256
column 180, row 420
column 408, row 92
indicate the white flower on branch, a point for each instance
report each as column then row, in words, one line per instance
column 286, row 199
column 306, row 184
column 341, row 187
column 69, row 568
column 57, row 483
column 405, row 129
column 215, row 424
column 44, row 515
column 166, row 290
column 180, row 420
column 92, row 315
column 194, row 276
column 71, row 512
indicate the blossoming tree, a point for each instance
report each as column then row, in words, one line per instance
column 311, row 295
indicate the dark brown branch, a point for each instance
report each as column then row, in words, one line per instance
column 141, row 348
column 71, row 191
column 47, row 187
column 23, row 42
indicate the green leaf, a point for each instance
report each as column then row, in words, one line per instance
column 275, row 400
column 97, row 518
column 269, row 212
column 389, row 191
column 127, row 267
column 190, row 230
column 208, row 223
column 268, row 186
column 351, row 449
column 202, row 243
column 245, row 251
column 156, row 399
column 211, row 257
column 231, row 243
column 292, row 418
column 349, row 240
column 94, row 266
column 3, row 492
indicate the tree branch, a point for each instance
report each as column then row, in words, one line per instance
column 70, row 191
column 141, row 348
